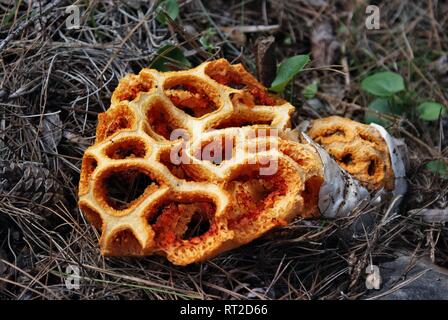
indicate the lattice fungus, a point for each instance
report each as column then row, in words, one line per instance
column 189, row 164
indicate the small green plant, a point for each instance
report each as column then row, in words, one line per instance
column 204, row 40
column 166, row 8
column 384, row 86
column 287, row 70
column 170, row 58
column 310, row 90
column 392, row 97
column 430, row 111
column 439, row 167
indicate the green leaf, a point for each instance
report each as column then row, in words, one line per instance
column 167, row 7
column 430, row 111
column 383, row 84
column 204, row 39
column 287, row 70
column 438, row 166
column 170, row 58
column 310, row 90
column 379, row 105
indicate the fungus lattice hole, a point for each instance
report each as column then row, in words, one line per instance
column 113, row 121
column 347, row 159
column 198, row 225
column 88, row 166
column 92, row 216
column 127, row 148
column 154, row 216
column 259, row 189
column 253, row 192
column 160, row 121
column 124, row 243
column 340, row 132
column 371, row 169
column 130, row 86
column 123, row 188
column 192, row 95
column 176, row 221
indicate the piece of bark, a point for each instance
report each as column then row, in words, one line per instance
column 435, row 215
column 265, row 59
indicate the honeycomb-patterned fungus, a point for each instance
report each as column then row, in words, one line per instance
column 213, row 196
column 357, row 147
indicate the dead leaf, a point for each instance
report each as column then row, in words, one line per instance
column 325, row 48
column 51, row 132
column 265, row 59
column 235, row 35
column 373, row 278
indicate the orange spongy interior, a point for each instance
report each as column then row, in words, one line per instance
column 150, row 190
column 356, row 147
